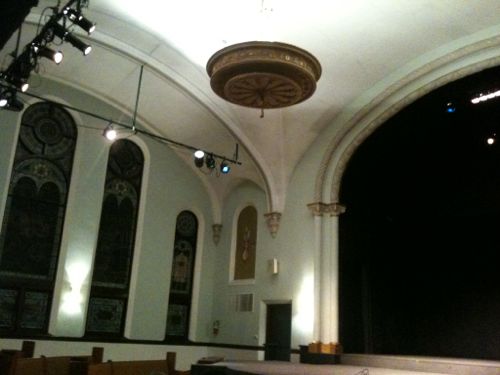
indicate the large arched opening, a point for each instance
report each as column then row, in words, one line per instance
column 419, row 241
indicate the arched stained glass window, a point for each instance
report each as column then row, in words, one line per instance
column 181, row 284
column 115, row 244
column 34, row 214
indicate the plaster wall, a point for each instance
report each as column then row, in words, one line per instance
column 293, row 284
column 169, row 187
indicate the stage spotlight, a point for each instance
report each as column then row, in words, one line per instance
column 8, row 100
column 77, row 43
column 55, row 56
column 65, row 35
column 109, row 133
column 3, row 100
column 450, row 108
column 18, row 83
column 14, row 104
column 77, row 18
column 224, row 167
column 210, row 161
column 198, row 158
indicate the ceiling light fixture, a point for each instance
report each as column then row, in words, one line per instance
column 210, row 161
column 63, row 34
column 199, row 158
column 224, row 167
column 18, row 72
column 9, row 100
column 55, row 56
column 78, row 19
column 109, row 133
column 482, row 98
column 263, row 75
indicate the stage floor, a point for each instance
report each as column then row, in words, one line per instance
column 288, row 368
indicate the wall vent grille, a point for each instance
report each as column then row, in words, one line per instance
column 244, row 302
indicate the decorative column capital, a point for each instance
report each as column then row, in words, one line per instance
column 320, row 208
column 336, row 209
column 273, row 222
column 216, row 230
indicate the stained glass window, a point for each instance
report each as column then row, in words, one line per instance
column 115, row 244
column 179, row 302
column 33, row 219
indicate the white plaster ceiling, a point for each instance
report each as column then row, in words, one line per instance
column 358, row 43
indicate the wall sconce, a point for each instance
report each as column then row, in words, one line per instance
column 273, row 266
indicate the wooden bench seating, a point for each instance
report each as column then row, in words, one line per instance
column 9, row 356
column 63, row 365
column 146, row 367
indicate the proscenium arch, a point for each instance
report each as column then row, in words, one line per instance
column 450, row 67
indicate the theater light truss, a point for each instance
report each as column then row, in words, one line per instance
column 58, row 25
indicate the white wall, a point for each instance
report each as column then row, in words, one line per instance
column 169, row 186
column 292, row 248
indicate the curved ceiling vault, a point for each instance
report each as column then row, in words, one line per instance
column 364, row 47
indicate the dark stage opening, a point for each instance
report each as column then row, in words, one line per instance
column 420, row 240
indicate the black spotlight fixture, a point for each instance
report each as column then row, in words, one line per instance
column 210, row 161
column 199, row 157
column 9, row 100
column 224, row 167
column 13, row 79
column 77, row 18
column 48, row 53
column 19, row 70
column 65, row 35
column 4, row 98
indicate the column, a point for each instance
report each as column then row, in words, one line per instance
column 317, row 209
column 326, row 260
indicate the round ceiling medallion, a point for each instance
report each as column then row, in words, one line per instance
column 263, row 74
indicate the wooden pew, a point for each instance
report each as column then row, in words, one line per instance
column 62, row 365
column 9, row 356
column 146, row 367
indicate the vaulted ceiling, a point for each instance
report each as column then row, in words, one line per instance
column 363, row 47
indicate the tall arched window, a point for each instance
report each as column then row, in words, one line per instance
column 246, row 241
column 115, row 244
column 181, row 284
column 33, row 220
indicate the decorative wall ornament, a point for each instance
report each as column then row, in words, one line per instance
column 273, row 222
column 263, row 75
column 320, row 208
column 246, row 244
column 216, row 231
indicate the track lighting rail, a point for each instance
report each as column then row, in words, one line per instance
column 134, row 129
